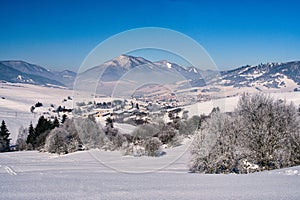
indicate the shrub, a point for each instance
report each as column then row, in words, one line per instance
column 189, row 126
column 135, row 150
column 167, row 134
column 153, row 147
column 114, row 142
column 38, row 104
column 118, row 140
column 145, row 131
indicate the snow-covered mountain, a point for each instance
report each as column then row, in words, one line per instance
column 23, row 72
column 263, row 76
column 116, row 68
column 119, row 66
column 190, row 73
column 269, row 75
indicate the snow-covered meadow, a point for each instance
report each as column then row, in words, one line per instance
column 82, row 175
column 16, row 100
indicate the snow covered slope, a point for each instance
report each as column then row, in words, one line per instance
column 283, row 76
column 33, row 175
column 16, row 100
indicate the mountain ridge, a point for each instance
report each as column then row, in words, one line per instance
column 268, row 75
column 18, row 71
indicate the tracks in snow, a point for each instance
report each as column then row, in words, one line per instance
column 10, row 171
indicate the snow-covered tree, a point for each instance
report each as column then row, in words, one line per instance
column 153, row 147
column 57, row 141
column 21, row 139
column 271, row 130
column 90, row 133
column 262, row 131
column 212, row 148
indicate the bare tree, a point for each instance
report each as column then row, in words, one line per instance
column 90, row 133
column 21, row 139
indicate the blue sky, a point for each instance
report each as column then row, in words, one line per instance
column 60, row 33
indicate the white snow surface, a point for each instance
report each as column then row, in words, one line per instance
column 33, row 175
column 124, row 128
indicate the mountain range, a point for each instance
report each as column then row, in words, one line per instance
column 23, row 72
column 269, row 75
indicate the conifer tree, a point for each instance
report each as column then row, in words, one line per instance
column 31, row 136
column 55, row 123
column 4, row 137
column 64, row 117
column 42, row 126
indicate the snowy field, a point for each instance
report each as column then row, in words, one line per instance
column 81, row 175
column 16, row 100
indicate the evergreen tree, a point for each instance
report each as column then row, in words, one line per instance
column 64, row 117
column 109, row 122
column 38, row 134
column 32, row 109
column 42, row 126
column 41, row 130
column 55, row 123
column 215, row 109
column 4, row 137
column 31, row 136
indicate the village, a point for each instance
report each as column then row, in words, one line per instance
column 134, row 111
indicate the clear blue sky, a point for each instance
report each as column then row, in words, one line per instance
column 60, row 33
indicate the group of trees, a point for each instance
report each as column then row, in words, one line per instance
column 63, row 139
column 153, row 135
column 34, row 138
column 84, row 131
column 37, row 136
column 261, row 134
column 146, row 139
